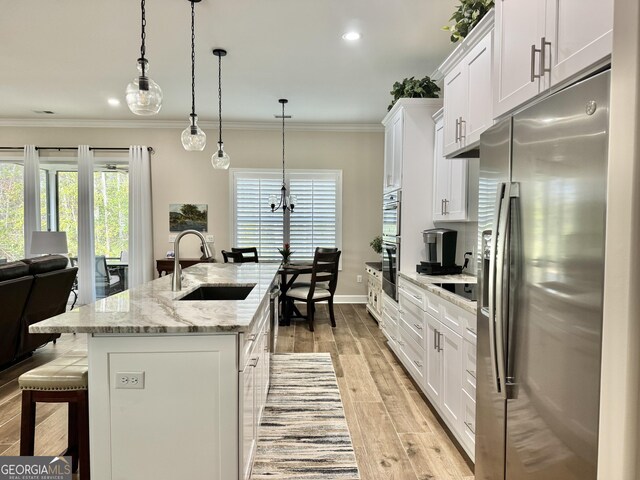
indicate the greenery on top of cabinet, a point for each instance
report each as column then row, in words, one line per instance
column 467, row 15
column 412, row 88
column 376, row 244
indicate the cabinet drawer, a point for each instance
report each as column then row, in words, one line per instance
column 390, row 328
column 413, row 356
column 454, row 317
column 410, row 293
column 428, row 301
column 469, row 375
column 471, row 322
column 412, row 321
column 469, row 423
column 389, row 305
column 252, row 339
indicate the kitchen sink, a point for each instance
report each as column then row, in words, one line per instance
column 221, row 292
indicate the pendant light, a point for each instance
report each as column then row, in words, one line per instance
column 220, row 159
column 193, row 138
column 143, row 95
column 287, row 202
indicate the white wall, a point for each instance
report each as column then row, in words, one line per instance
column 187, row 177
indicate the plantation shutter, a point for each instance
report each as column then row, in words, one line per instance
column 254, row 223
column 315, row 220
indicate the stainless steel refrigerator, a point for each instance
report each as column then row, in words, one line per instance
column 541, row 231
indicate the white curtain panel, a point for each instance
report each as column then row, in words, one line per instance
column 140, row 217
column 86, row 238
column 31, row 195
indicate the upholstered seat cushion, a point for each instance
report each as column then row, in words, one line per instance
column 324, row 285
column 45, row 264
column 9, row 271
column 69, row 372
column 301, row 293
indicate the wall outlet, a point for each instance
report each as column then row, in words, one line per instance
column 130, row 380
column 172, row 238
column 209, row 238
column 359, row 278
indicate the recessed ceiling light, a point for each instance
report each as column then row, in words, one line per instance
column 351, row 36
column 114, row 102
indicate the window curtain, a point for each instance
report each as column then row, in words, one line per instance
column 86, row 237
column 31, row 195
column 140, row 217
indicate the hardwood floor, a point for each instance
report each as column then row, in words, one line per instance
column 395, row 434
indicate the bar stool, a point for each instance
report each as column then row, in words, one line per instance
column 64, row 380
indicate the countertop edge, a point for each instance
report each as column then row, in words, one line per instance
column 467, row 305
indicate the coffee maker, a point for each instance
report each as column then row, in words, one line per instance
column 440, row 244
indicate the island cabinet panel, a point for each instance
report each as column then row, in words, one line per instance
column 186, row 410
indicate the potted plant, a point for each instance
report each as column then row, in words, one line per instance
column 286, row 252
column 412, row 88
column 376, row 244
column 467, row 16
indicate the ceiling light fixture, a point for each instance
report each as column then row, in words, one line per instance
column 351, row 36
column 193, row 138
column 144, row 96
column 220, row 160
column 287, row 202
column 114, row 102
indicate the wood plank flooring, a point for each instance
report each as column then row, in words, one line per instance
column 395, row 434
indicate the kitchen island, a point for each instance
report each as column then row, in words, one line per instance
column 177, row 387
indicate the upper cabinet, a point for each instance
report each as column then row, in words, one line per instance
column 539, row 44
column 449, row 180
column 467, row 89
column 393, row 144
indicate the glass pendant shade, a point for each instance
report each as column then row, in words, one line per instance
column 293, row 200
column 220, row 160
column 144, row 96
column 193, row 138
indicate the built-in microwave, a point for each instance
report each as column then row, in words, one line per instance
column 391, row 214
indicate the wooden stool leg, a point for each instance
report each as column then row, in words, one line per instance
column 72, row 435
column 28, row 424
column 83, row 435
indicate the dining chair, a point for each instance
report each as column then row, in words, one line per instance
column 318, row 250
column 231, row 257
column 106, row 283
column 252, row 254
column 322, row 288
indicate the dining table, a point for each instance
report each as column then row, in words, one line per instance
column 121, row 268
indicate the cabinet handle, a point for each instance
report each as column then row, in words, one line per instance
column 440, row 335
column 461, row 122
column 401, row 343
column 534, row 75
column 442, row 207
column 251, row 337
column 446, row 206
column 418, row 326
column 472, row 373
column 417, row 363
column 543, row 56
column 470, row 427
column 457, row 124
column 435, row 339
column 254, row 362
column 417, row 297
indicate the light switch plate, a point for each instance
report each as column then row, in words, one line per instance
column 209, row 238
column 130, row 380
column 172, row 238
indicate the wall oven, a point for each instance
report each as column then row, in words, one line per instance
column 391, row 243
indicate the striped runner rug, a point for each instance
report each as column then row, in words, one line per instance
column 304, row 433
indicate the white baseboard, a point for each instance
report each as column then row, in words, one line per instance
column 350, row 299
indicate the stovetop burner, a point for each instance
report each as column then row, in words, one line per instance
column 466, row 290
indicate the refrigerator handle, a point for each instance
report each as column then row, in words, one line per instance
column 496, row 370
column 501, row 284
column 514, row 249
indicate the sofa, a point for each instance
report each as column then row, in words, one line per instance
column 31, row 290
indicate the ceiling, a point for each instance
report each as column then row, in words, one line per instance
column 70, row 56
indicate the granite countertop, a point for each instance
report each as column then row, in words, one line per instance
column 427, row 281
column 374, row 265
column 154, row 308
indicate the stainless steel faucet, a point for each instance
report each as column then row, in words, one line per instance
column 176, row 280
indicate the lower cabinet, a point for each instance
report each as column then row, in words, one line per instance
column 441, row 360
column 254, row 380
column 374, row 293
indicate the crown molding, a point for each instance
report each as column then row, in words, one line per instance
column 176, row 124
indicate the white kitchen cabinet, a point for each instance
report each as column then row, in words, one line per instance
column 393, row 153
column 468, row 91
column 540, row 44
column 374, row 292
column 451, row 346
column 433, row 376
column 450, row 181
column 409, row 138
column 248, row 422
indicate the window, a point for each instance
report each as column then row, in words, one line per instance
column 316, row 221
column 11, row 211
